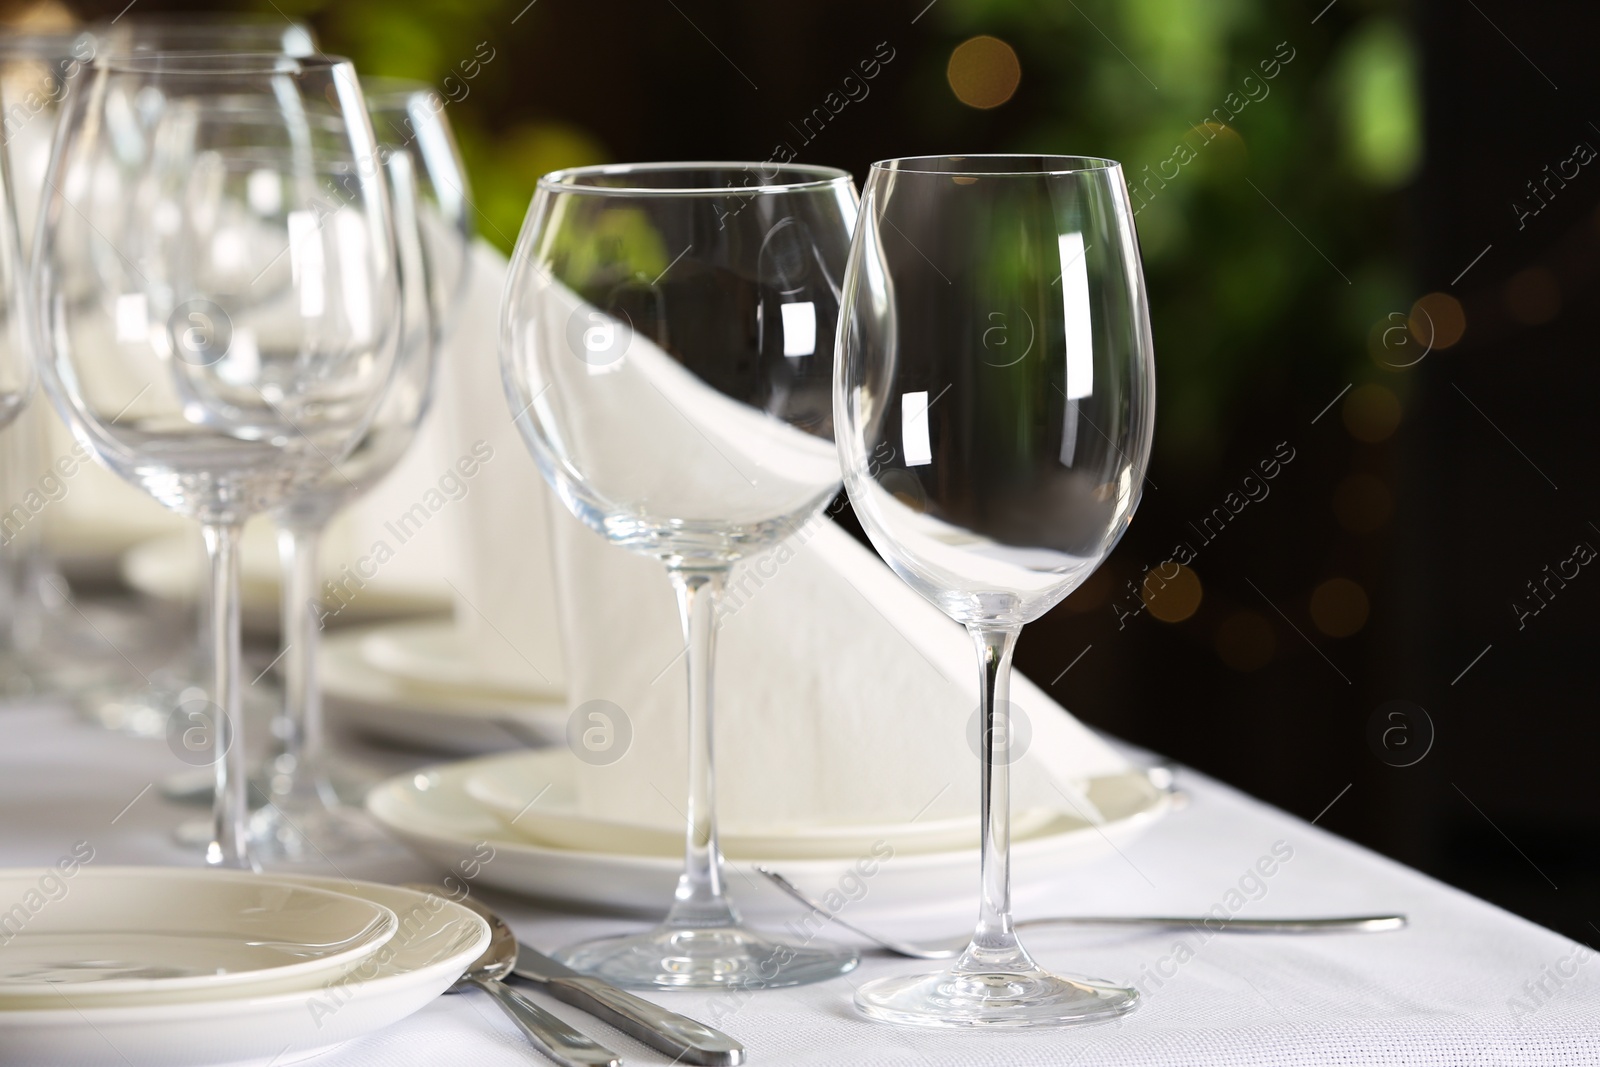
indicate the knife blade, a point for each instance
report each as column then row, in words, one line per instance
column 677, row 1035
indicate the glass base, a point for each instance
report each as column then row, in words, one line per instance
column 960, row 999
column 316, row 835
column 146, row 710
column 351, row 783
column 719, row 957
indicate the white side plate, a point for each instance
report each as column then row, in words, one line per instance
column 430, row 653
column 170, row 932
column 435, row 942
column 535, row 798
column 377, row 703
column 432, row 812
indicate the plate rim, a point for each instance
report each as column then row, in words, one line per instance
column 1160, row 804
column 945, row 827
column 441, row 624
column 246, row 1004
column 341, row 652
column 378, row 931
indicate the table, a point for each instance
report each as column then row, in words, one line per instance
column 1467, row 983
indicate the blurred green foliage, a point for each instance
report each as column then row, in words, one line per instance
column 1268, row 153
column 1271, row 237
column 459, row 48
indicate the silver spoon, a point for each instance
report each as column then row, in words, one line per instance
column 554, row 1038
column 948, row 949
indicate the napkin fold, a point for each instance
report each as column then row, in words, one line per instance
column 842, row 696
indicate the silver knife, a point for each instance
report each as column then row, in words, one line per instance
column 674, row 1034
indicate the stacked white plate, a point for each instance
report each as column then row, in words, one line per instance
column 411, row 682
column 524, row 808
column 168, row 967
column 172, row 568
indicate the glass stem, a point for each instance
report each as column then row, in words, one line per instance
column 994, row 944
column 699, row 901
column 299, row 770
column 229, row 845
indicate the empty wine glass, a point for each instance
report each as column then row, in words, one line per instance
column 994, row 399
column 217, row 309
column 59, row 647
column 409, row 116
column 667, row 350
column 305, row 819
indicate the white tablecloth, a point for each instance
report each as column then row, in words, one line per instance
column 1466, row 984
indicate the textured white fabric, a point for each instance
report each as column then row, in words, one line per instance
column 1438, row 993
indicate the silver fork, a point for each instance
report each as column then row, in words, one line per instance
column 950, row 948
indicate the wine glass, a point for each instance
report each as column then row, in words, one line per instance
column 217, row 311
column 667, row 351
column 994, row 398
column 59, row 647
column 409, row 116
column 305, row 819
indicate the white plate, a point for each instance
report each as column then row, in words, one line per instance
column 435, row 942
column 168, row 933
column 430, row 653
column 169, row 568
column 431, row 811
column 535, row 798
column 377, row 703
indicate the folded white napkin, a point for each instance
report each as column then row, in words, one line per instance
column 841, row 695
column 504, row 583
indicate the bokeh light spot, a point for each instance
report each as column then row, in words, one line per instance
column 983, row 72
column 1339, row 607
column 1532, row 296
column 1362, row 503
column 1171, row 597
column 1371, row 413
column 1437, row 319
column 1245, row 641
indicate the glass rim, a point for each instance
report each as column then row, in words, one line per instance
column 183, row 62
column 818, row 177
column 1073, row 165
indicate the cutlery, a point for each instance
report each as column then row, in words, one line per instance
column 943, row 950
column 682, row 1038
column 554, row 1038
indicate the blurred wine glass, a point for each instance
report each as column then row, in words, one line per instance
column 87, row 650
column 304, row 820
column 994, row 402
column 217, row 311
column 667, row 351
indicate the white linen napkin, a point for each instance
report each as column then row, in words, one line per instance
column 841, row 695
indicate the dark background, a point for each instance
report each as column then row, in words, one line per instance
column 1284, row 265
